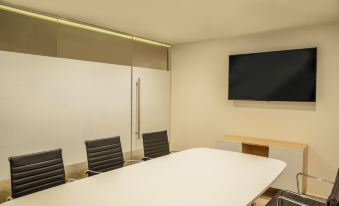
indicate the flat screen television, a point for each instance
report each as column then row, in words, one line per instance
column 288, row 75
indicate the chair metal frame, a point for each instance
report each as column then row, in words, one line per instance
column 294, row 201
column 290, row 200
column 299, row 193
column 312, row 177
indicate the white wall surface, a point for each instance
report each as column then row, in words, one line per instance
column 201, row 113
column 48, row 102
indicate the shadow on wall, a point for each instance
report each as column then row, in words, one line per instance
column 303, row 106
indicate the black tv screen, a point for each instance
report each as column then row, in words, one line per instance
column 274, row 76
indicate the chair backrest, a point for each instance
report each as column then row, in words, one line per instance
column 104, row 154
column 35, row 172
column 333, row 199
column 155, row 144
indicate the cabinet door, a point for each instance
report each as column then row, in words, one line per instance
column 294, row 161
column 150, row 103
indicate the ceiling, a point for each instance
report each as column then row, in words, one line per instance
column 182, row 21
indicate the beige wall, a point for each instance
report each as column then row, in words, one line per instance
column 201, row 112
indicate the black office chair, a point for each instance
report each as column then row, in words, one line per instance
column 155, row 144
column 104, row 155
column 288, row 198
column 35, row 172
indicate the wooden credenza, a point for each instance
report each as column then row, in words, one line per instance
column 294, row 154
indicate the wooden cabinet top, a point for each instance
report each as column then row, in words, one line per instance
column 264, row 142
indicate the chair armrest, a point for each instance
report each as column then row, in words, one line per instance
column 87, row 172
column 312, row 177
column 70, row 180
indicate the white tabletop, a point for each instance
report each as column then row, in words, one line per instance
column 195, row 177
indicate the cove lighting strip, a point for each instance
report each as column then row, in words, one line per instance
column 150, row 41
column 79, row 25
column 91, row 28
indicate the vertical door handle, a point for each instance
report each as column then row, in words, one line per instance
column 137, row 132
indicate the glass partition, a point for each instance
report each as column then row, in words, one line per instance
column 74, row 85
column 30, row 35
column 19, row 33
column 77, row 43
column 150, row 56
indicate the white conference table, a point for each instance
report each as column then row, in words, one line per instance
column 194, row 177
